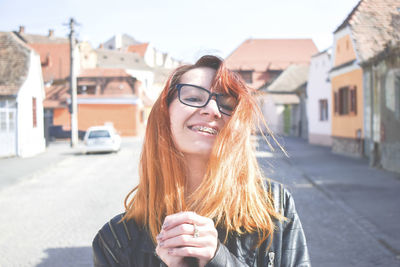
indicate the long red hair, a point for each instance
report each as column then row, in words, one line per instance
column 233, row 186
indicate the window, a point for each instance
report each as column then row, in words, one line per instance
column 346, row 100
column 34, row 112
column 86, row 90
column 323, row 109
column 3, row 122
column 247, row 75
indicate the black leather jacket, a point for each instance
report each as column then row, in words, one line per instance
column 126, row 244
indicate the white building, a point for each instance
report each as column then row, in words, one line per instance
column 283, row 102
column 21, row 99
column 319, row 100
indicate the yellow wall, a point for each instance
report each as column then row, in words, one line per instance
column 347, row 125
column 344, row 51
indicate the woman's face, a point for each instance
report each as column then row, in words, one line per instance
column 194, row 129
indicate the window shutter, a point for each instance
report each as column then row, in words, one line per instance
column 353, row 99
column 34, row 112
column 336, row 96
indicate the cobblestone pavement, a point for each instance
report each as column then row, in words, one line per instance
column 50, row 217
column 349, row 211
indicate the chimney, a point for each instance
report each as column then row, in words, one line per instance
column 51, row 33
column 21, row 29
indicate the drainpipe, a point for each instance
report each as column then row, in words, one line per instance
column 373, row 146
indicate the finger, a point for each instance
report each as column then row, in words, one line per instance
column 186, row 241
column 181, row 229
column 188, row 217
column 196, row 252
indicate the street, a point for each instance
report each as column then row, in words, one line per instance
column 51, row 212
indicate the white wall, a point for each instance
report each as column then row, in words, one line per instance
column 149, row 55
column 146, row 77
column 273, row 114
column 30, row 140
column 318, row 87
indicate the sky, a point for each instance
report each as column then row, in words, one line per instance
column 186, row 29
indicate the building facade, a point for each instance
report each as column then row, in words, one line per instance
column 319, row 101
column 21, row 99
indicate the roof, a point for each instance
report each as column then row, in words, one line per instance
column 42, row 39
column 55, row 59
column 285, row 98
column 118, row 59
column 346, row 21
column 54, row 54
column 139, row 49
column 327, row 51
column 103, row 72
column 271, row 54
column 290, row 79
column 374, row 24
column 126, row 40
column 14, row 63
column 56, row 94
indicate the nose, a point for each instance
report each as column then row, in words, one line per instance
column 211, row 109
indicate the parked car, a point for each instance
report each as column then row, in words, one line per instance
column 101, row 139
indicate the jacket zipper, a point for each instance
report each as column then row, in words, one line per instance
column 271, row 258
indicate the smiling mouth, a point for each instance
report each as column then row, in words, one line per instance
column 204, row 129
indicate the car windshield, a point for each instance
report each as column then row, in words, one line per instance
column 99, row 134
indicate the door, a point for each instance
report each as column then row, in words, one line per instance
column 8, row 125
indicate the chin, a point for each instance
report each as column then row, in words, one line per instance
column 201, row 152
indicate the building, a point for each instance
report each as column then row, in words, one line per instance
column 376, row 31
column 152, row 56
column 260, row 61
column 21, row 99
column 54, row 54
column 283, row 102
column 319, row 101
column 365, row 32
column 105, row 96
column 347, row 92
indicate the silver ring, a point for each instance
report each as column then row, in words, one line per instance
column 195, row 232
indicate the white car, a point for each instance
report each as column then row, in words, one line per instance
column 101, row 139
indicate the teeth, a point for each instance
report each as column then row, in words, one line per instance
column 205, row 129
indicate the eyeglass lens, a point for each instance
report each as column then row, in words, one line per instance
column 198, row 97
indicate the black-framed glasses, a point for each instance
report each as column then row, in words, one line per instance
column 198, row 97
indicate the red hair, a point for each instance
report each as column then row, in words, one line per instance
column 237, row 199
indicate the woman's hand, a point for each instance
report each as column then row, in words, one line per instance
column 187, row 234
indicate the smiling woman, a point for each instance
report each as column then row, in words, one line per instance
column 202, row 199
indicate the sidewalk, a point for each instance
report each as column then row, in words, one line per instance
column 15, row 169
column 368, row 195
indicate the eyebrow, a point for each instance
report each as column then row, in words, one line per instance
column 198, row 86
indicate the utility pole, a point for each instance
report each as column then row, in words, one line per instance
column 73, row 90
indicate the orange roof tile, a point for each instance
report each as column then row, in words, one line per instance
column 374, row 24
column 55, row 58
column 56, row 95
column 138, row 48
column 103, row 72
column 271, row 54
